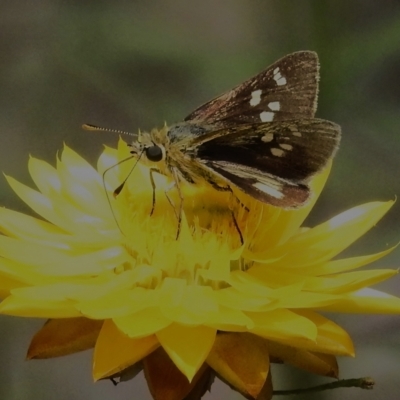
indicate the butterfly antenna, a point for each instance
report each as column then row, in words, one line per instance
column 90, row 127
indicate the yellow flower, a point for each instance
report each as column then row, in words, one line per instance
column 107, row 274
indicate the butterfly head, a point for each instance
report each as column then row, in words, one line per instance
column 151, row 145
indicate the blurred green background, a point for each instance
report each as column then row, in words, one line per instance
column 131, row 64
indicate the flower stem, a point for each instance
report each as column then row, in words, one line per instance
column 362, row 383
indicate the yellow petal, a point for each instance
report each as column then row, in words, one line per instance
column 118, row 302
column 23, row 226
column 249, row 285
column 82, row 185
column 21, row 273
column 142, row 323
column 109, row 169
column 7, row 284
column 44, row 175
column 60, row 337
column 242, row 360
column 283, row 324
column 108, row 158
column 11, row 249
column 80, row 168
column 330, row 238
column 348, row 282
column 23, row 307
column 321, row 243
column 341, row 265
column 58, row 210
column 367, row 301
column 233, row 298
column 275, row 277
column 39, row 203
column 32, row 229
column 115, row 351
column 187, row 305
column 308, row 300
column 57, row 262
column 51, row 293
column 230, row 319
column 289, row 221
column 72, row 215
column 330, row 338
column 290, row 290
column 188, row 347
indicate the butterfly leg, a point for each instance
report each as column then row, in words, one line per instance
column 237, row 227
column 229, row 189
column 170, row 201
column 178, row 213
column 153, row 185
column 179, row 216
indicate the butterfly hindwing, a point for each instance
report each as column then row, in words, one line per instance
column 290, row 151
column 286, row 90
column 262, row 186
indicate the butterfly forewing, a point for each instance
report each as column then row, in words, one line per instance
column 286, row 90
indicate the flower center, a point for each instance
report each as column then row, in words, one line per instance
column 199, row 242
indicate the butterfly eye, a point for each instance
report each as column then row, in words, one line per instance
column 154, row 153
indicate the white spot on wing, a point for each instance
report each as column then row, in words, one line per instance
column 278, row 78
column 268, row 137
column 281, row 81
column 274, row 105
column 277, row 152
column 255, row 98
column 268, row 190
column 286, row 146
column 266, row 116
